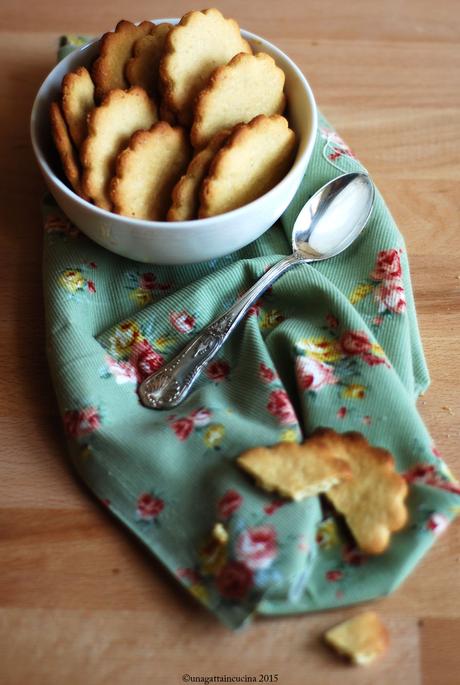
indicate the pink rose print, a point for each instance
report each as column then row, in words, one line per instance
column 280, row 406
column 218, row 370
column 353, row 343
column 390, row 297
column 201, row 417
column 257, row 547
column 313, row 375
column 145, row 359
column 229, row 503
column 91, row 286
column 388, row 266
column 148, row 281
column 334, row 576
column 79, row 422
column 182, row 428
column 188, row 574
column 341, row 413
column 123, row 372
column 331, row 321
column 426, row 474
column 255, row 309
column 234, row 580
column 182, row 321
column 266, row 374
column 148, row 506
column 437, row 523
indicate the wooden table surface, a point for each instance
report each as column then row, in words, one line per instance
column 80, row 602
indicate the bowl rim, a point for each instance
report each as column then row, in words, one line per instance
column 179, row 226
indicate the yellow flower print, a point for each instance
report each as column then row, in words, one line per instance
column 270, row 319
column 125, row 336
column 377, row 350
column 141, row 296
column 214, row 435
column 321, row 349
column 360, row 292
column 72, row 280
column 355, row 391
column 163, row 342
column 327, row 534
column 213, row 555
column 289, row 435
column 199, row 591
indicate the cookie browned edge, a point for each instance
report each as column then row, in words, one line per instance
column 215, row 143
column 169, row 49
column 92, row 123
column 65, row 149
column 137, row 54
column 98, row 69
column 384, row 458
column 67, row 83
column 214, row 79
column 137, row 140
column 237, row 134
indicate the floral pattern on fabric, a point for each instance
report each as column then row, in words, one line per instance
column 386, row 284
column 78, row 282
column 145, row 287
column 81, row 422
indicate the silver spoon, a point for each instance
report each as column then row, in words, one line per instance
column 328, row 223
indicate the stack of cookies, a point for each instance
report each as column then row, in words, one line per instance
column 174, row 122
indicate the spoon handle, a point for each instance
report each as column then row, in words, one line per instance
column 171, row 384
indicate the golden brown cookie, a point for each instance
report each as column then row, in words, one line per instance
column 142, row 69
column 373, row 501
column 115, row 48
column 110, row 127
column 64, row 147
column 362, row 638
column 237, row 92
column 201, row 42
column 147, row 171
column 186, row 192
column 77, row 102
column 293, row 470
column 254, row 159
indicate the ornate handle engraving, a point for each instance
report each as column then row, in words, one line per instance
column 171, row 384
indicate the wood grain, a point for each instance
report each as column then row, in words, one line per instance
column 80, row 601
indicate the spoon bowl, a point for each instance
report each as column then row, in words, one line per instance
column 333, row 217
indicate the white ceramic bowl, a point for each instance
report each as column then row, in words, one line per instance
column 178, row 242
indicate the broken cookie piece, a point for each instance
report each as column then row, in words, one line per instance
column 362, row 638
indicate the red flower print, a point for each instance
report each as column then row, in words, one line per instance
column 91, row 286
column 390, row 296
column 255, row 309
column 342, row 412
column 182, row 321
column 353, row 343
column 218, row 371
column 373, row 360
column 234, row 580
column 437, row 523
column 334, row 576
column 353, row 556
column 93, row 265
column 229, row 503
column 201, row 417
column 270, row 509
column 145, row 359
column 188, row 574
column 266, row 374
column 148, row 506
column 387, row 266
column 280, row 406
column 79, row 422
column 313, row 375
column 436, row 452
column 257, row 547
column 331, row 321
column 427, row 475
column 182, row 428
column 148, row 281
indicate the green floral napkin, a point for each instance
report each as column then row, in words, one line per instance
column 335, row 344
